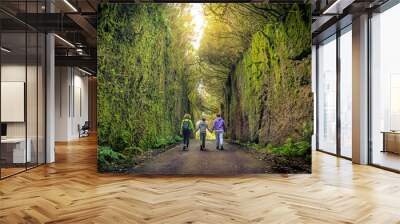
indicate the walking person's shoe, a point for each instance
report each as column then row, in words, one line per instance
column 222, row 147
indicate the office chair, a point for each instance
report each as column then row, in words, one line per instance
column 84, row 130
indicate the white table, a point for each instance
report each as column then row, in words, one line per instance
column 19, row 154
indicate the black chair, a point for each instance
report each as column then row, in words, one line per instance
column 84, row 130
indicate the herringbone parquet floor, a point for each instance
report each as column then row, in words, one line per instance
column 71, row 191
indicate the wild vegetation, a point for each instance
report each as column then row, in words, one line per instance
column 253, row 66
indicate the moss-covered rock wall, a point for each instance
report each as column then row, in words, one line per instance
column 141, row 75
column 268, row 95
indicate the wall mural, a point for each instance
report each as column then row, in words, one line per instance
column 204, row 89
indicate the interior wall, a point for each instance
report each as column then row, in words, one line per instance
column 71, row 102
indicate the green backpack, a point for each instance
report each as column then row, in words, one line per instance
column 186, row 125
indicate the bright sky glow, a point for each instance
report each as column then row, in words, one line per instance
column 196, row 10
column 201, row 89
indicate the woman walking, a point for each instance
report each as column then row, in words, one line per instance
column 219, row 128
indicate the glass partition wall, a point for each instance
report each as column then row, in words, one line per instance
column 385, row 89
column 345, row 90
column 22, row 78
column 327, row 95
column 334, row 93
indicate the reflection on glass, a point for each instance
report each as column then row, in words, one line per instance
column 394, row 102
column 41, row 99
column 31, row 100
column 385, row 84
column 14, row 146
column 22, row 91
column 327, row 96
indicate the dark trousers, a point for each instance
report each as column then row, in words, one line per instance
column 186, row 137
column 203, row 138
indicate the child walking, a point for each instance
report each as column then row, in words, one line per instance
column 203, row 127
column 186, row 130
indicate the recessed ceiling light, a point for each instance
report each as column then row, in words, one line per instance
column 5, row 50
column 65, row 41
column 70, row 5
column 337, row 7
column 84, row 71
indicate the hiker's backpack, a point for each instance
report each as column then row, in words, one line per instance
column 185, row 125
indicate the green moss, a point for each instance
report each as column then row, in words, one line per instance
column 142, row 76
column 269, row 98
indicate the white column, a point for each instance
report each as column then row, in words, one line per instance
column 50, row 93
column 360, row 90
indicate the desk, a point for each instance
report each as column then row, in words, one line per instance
column 391, row 141
column 16, row 147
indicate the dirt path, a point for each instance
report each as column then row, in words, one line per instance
column 232, row 160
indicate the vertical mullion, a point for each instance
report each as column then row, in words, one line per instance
column 26, row 85
column 45, row 94
column 338, row 73
column 60, row 86
column 316, row 97
column 37, row 89
column 69, row 92
column 46, row 35
column 369, row 89
column 73, row 92
column 0, row 93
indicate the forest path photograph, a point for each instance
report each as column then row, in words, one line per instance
column 235, row 75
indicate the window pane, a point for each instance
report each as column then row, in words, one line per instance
column 385, row 88
column 327, row 96
column 31, row 97
column 346, row 93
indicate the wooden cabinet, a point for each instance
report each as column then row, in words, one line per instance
column 391, row 142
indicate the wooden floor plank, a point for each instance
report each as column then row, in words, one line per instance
column 71, row 191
